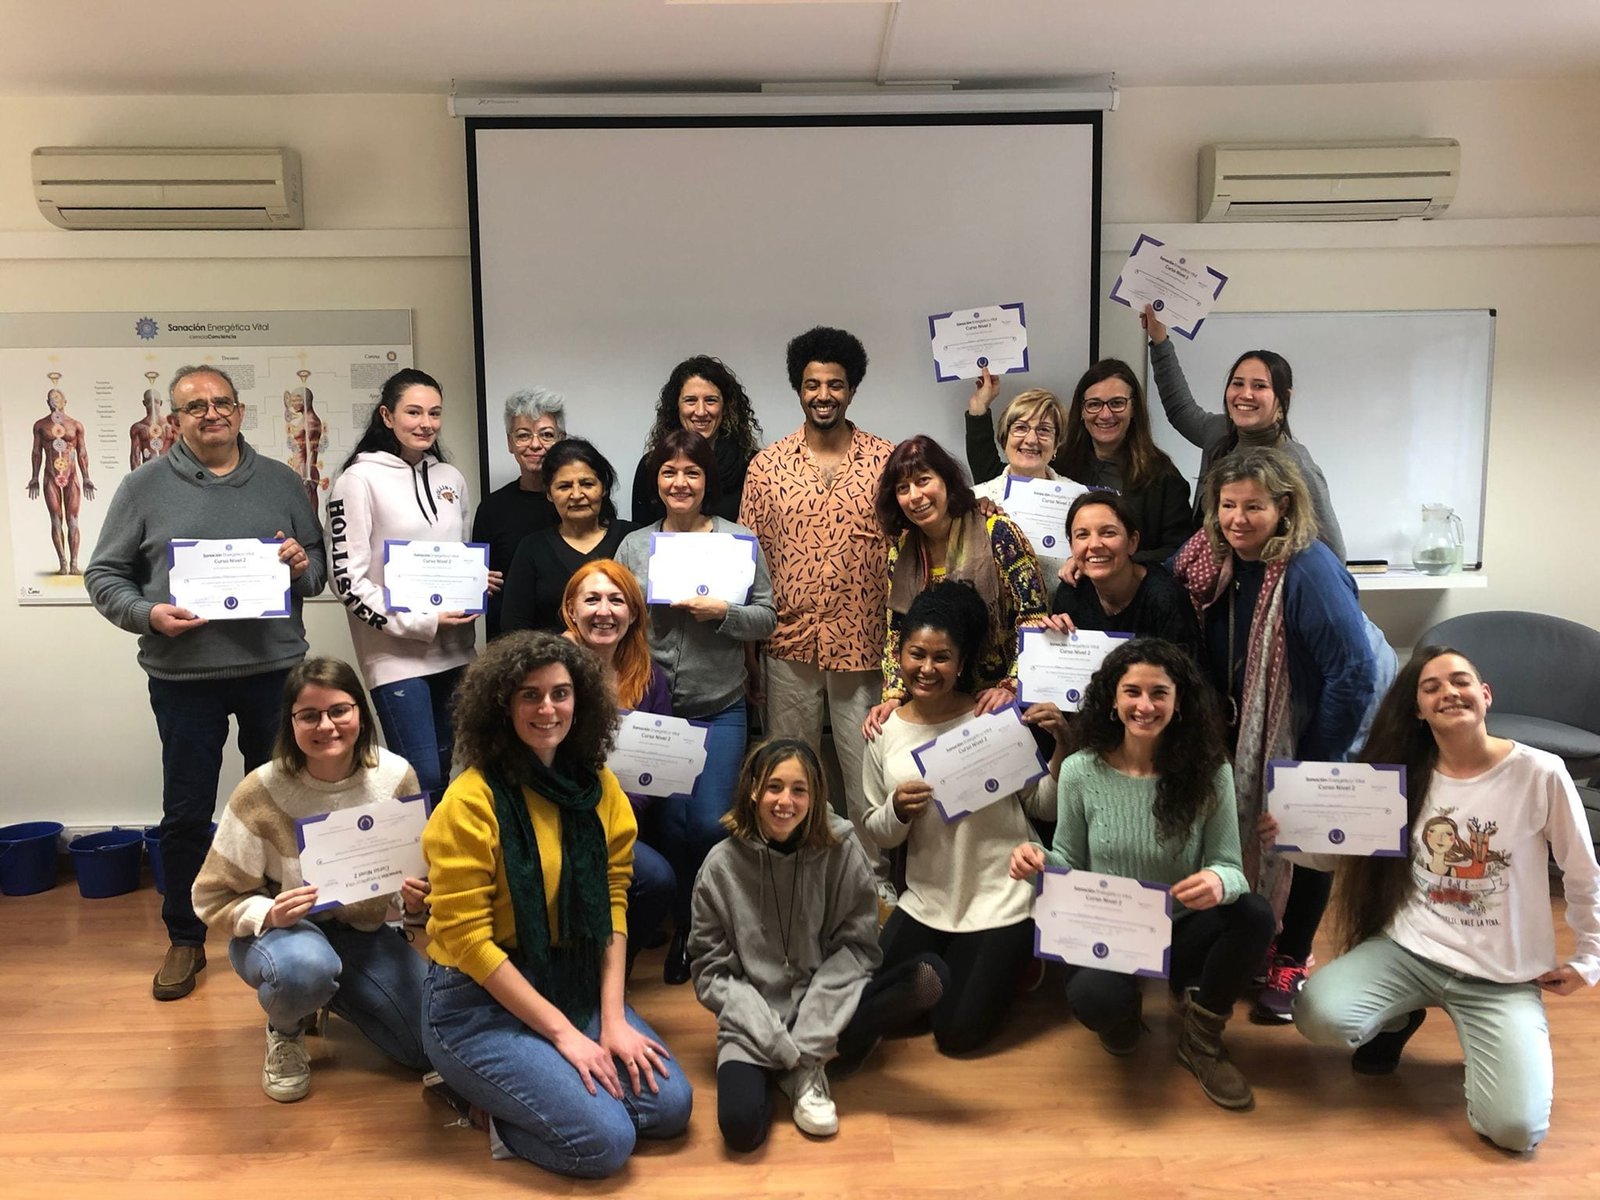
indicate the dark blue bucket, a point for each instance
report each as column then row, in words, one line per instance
column 28, row 857
column 107, row 863
column 152, row 851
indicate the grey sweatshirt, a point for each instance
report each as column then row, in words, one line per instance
column 1210, row 430
column 773, row 1010
column 703, row 659
column 176, row 497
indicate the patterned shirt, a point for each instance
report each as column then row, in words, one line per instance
column 825, row 550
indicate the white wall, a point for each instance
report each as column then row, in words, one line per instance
column 83, row 747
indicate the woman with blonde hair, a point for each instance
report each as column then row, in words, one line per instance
column 1030, row 432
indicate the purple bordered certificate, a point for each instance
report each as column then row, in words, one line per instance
column 357, row 854
column 1103, row 921
column 422, row 576
column 968, row 340
column 718, row 566
column 1057, row 667
column 1350, row 808
column 228, row 579
column 658, row 755
column 980, row 761
column 1039, row 507
column 1180, row 287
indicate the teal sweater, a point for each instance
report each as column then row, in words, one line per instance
column 1105, row 824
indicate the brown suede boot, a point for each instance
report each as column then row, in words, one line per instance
column 1200, row 1050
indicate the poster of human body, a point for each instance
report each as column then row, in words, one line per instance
column 83, row 401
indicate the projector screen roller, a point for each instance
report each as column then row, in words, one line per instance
column 607, row 251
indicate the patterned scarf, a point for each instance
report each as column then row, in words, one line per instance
column 1266, row 726
column 566, row 970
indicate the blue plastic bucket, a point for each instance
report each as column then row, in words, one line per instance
column 152, row 851
column 28, row 857
column 107, row 863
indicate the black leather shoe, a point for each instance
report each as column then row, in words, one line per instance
column 676, row 969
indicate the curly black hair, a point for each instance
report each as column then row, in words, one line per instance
column 824, row 345
column 485, row 736
column 1192, row 745
column 954, row 609
column 739, row 423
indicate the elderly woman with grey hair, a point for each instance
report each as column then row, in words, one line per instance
column 536, row 419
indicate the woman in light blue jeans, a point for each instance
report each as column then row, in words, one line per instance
column 1462, row 922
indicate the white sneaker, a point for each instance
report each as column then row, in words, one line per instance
column 814, row 1110
column 286, row 1075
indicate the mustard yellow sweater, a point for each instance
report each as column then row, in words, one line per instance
column 471, row 925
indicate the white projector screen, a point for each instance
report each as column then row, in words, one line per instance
column 606, row 251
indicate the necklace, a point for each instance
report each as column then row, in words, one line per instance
column 784, row 927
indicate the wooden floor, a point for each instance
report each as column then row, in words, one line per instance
column 104, row 1092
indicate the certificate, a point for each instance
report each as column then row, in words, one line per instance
column 1178, row 286
column 357, row 853
column 435, row 576
column 1103, row 921
column 1039, row 507
column 979, row 761
column 1057, row 667
column 228, row 579
column 1339, row 808
column 658, row 756
column 968, row 340
column 721, row 566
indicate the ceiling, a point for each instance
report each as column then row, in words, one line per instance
column 188, row 47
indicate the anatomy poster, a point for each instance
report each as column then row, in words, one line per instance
column 83, row 401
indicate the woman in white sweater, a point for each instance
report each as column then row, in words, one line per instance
column 1463, row 923
column 396, row 484
column 959, row 902
column 297, row 954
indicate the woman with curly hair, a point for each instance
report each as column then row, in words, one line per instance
column 1148, row 795
column 530, row 853
column 702, row 395
column 1461, row 925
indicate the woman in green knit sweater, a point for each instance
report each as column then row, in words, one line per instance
column 1149, row 795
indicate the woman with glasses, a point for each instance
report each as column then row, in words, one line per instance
column 397, row 485
column 252, row 889
column 536, row 419
column 704, row 396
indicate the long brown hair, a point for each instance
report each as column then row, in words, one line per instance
column 632, row 658
column 1142, row 461
column 1371, row 890
column 743, row 818
column 338, row 676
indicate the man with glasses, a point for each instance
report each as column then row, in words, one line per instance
column 211, row 485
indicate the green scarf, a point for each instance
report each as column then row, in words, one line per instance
column 568, row 974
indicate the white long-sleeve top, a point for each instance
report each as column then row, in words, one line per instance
column 380, row 496
column 956, row 877
column 1479, row 852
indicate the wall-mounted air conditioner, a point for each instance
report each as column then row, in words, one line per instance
column 131, row 188
column 1328, row 181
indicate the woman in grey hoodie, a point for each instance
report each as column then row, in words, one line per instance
column 784, row 946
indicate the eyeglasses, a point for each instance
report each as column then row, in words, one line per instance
column 197, row 408
column 310, row 718
column 545, row 437
column 1116, row 404
column 1045, row 430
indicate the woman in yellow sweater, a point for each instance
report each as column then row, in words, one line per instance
column 530, row 854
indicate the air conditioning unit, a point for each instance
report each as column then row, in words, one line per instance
column 129, row 188
column 1328, row 181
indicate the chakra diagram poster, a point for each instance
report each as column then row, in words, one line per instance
column 83, row 402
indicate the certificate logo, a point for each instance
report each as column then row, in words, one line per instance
column 436, row 598
column 983, row 359
column 1336, row 836
column 1101, row 950
column 991, row 785
column 702, row 590
column 1158, row 304
column 227, row 545
column 375, row 887
column 1049, row 540
column 646, row 779
column 1074, row 695
column 364, row 823
column 436, row 549
column 230, row 603
column 1335, row 771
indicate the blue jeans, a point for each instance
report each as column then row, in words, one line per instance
column 650, row 897
column 415, row 715
column 684, row 828
column 373, row 980
column 1502, row 1028
column 541, row 1110
column 192, row 720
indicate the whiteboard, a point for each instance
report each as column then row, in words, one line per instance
column 605, row 253
column 1393, row 406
